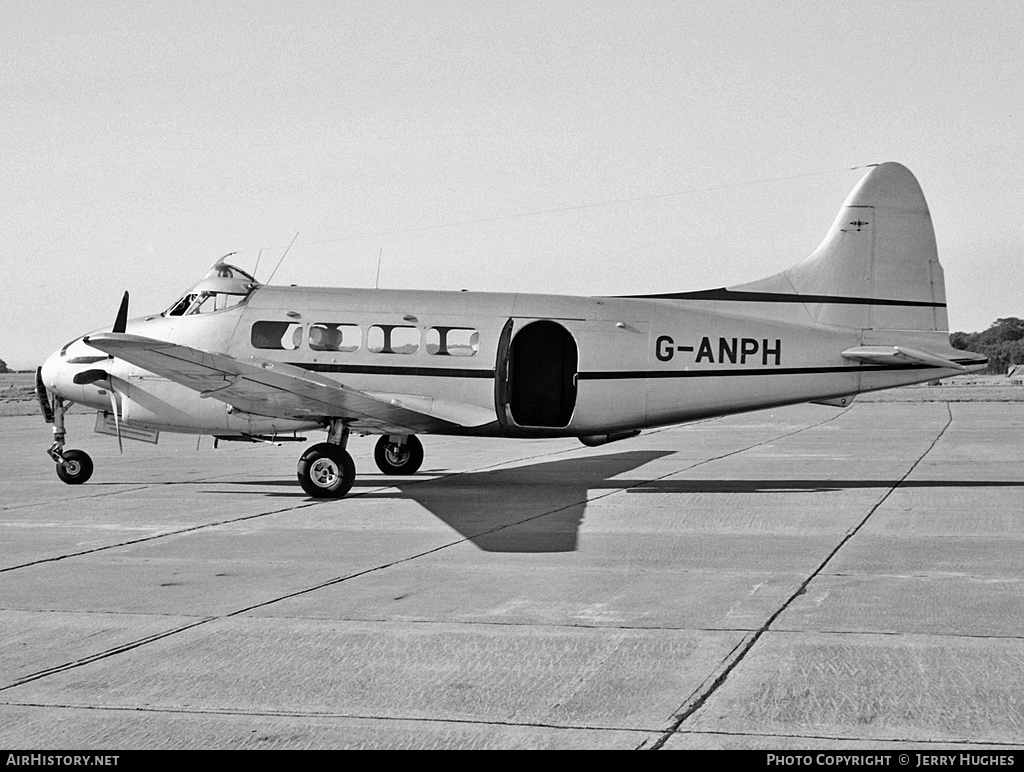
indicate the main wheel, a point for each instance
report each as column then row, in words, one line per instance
column 326, row 471
column 77, row 467
column 393, row 458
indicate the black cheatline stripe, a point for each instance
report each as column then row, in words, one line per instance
column 652, row 374
column 598, row 375
column 778, row 297
column 434, row 372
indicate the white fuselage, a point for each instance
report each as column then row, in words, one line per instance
column 535, row 365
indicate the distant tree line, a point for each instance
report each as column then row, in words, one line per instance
column 3, row 366
column 1002, row 343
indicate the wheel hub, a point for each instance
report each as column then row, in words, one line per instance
column 324, row 472
column 397, row 455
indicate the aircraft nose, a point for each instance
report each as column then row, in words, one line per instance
column 71, row 374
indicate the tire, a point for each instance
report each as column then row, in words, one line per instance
column 393, row 458
column 77, row 467
column 326, row 471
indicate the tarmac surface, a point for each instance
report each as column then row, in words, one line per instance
column 801, row 578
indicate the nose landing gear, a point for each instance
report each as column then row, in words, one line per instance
column 73, row 466
column 76, row 467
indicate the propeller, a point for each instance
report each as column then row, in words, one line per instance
column 117, row 420
column 121, row 321
column 95, row 376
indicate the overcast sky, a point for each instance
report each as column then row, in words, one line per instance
column 566, row 147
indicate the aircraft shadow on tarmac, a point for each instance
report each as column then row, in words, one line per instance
column 540, row 507
column 532, row 508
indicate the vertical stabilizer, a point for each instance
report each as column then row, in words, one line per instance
column 878, row 267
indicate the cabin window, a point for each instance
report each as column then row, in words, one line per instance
column 285, row 336
column 329, row 336
column 393, row 339
column 452, row 341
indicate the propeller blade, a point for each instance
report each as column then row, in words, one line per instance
column 43, row 397
column 117, row 421
column 121, row 322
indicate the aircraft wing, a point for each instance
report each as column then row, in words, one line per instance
column 270, row 388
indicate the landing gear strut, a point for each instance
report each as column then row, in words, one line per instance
column 398, row 455
column 326, row 470
column 73, row 466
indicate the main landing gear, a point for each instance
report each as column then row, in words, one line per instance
column 326, row 470
column 73, row 466
column 398, row 455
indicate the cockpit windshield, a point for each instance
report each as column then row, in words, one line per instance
column 223, row 286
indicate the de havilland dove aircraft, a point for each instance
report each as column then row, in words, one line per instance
column 243, row 361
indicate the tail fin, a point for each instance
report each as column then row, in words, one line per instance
column 878, row 267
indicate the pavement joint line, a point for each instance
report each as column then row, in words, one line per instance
column 561, row 626
column 849, row 738
column 716, row 675
column 104, row 654
column 900, row 634
column 165, row 534
column 689, row 708
column 526, row 724
column 327, row 715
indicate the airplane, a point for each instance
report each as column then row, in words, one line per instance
column 240, row 360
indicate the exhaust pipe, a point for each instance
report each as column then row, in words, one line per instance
column 593, row 440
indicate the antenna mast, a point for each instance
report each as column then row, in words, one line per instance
column 282, row 258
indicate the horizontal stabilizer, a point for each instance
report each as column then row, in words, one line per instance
column 899, row 355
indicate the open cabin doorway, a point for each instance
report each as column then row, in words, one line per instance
column 542, row 361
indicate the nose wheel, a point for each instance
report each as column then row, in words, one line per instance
column 76, row 467
column 398, row 457
column 73, row 466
